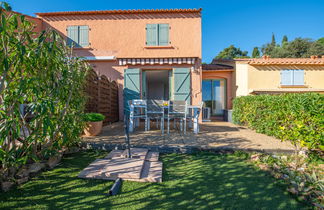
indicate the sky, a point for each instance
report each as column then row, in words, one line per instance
column 243, row 23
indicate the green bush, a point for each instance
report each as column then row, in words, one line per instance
column 93, row 117
column 298, row 118
column 39, row 70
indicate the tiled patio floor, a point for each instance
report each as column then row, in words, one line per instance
column 212, row 135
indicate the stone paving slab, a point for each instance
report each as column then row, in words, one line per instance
column 138, row 153
column 95, row 170
column 124, row 168
column 115, row 154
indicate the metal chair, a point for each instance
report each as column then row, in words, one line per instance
column 193, row 116
column 138, row 110
column 155, row 111
column 177, row 110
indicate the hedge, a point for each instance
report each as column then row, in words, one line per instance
column 298, row 118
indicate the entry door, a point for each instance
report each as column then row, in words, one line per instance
column 131, row 87
column 214, row 95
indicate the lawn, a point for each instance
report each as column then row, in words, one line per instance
column 201, row 181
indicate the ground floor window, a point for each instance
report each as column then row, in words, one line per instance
column 214, row 95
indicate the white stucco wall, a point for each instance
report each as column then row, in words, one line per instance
column 241, row 79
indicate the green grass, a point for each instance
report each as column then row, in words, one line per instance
column 201, row 181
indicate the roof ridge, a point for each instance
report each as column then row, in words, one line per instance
column 129, row 11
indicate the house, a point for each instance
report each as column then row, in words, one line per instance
column 156, row 54
column 152, row 54
column 223, row 80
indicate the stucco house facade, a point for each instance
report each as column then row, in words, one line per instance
column 156, row 54
column 152, row 54
column 259, row 76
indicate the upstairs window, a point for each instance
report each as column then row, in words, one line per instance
column 292, row 77
column 78, row 36
column 157, row 34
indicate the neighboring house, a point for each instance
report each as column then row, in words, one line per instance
column 152, row 54
column 226, row 79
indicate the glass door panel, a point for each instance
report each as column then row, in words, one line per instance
column 214, row 95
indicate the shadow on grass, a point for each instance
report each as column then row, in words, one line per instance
column 201, row 181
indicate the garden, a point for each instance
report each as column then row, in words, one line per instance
column 42, row 103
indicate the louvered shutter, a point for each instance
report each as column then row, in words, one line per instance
column 163, row 34
column 73, row 36
column 298, row 77
column 84, row 36
column 287, row 77
column 151, row 34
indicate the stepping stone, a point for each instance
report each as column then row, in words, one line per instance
column 123, row 168
column 94, row 170
column 115, row 154
column 137, row 153
column 152, row 172
column 152, row 156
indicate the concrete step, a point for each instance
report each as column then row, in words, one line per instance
column 115, row 154
column 152, row 156
column 137, row 153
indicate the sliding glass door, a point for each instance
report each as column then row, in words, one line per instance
column 214, row 95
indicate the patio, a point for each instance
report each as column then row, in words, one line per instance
column 212, row 136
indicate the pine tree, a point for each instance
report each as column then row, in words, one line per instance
column 284, row 40
column 256, row 52
column 273, row 41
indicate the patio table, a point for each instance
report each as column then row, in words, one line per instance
column 195, row 109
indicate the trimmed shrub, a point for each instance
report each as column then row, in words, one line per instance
column 93, row 117
column 298, row 118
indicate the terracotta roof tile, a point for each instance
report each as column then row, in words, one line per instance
column 101, row 12
column 285, row 61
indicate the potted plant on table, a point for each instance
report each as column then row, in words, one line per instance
column 94, row 123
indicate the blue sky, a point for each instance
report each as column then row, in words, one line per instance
column 244, row 23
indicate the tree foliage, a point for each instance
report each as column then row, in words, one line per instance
column 37, row 70
column 256, row 52
column 231, row 52
column 297, row 48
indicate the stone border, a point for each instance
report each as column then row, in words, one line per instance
column 180, row 149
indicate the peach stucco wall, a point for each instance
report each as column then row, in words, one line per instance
column 253, row 77
column 124, row 35
column 222, row 74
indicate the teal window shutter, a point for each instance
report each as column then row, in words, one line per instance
column 151, row 34
column 298, row 77
column 73, row 36
column 286, row 77
column 84, row 36
column 163, row 34
column 132, row 87
column 182, row 84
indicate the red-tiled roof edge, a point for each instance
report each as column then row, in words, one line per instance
column 98, row 12
column 269, row 61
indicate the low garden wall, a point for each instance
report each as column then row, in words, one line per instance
column 290, row 117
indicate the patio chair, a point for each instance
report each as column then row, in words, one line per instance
column 155, row 111
column 192, row 116
column 138, row 109
column 177, row 110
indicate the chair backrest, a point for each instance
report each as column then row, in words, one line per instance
column 140, row 107
column 179, row 107
column 155, row 106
